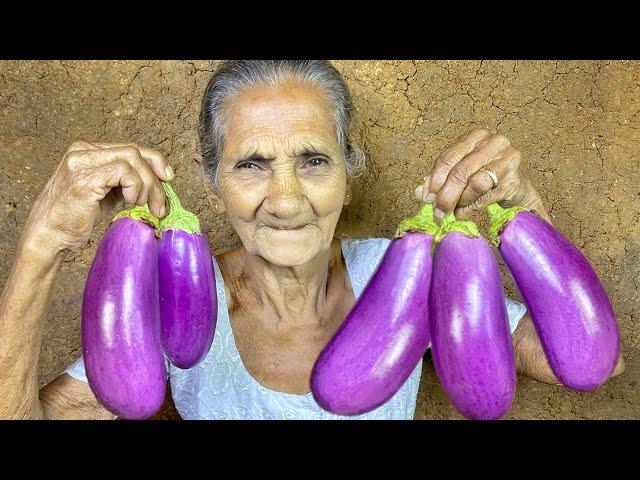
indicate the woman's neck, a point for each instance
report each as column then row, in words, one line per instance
column 297, row 295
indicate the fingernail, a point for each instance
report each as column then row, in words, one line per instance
column 439, row 214
column 163, row 210
column 169, row 172
column 430, row 198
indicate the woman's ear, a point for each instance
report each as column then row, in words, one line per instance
column 347, row 194
column 218, row 205
column 213, row 194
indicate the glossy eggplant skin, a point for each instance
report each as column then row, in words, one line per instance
column 188, row 301
column 120, row 325
column 384, row 336
column 471, row 348
column 566, row 300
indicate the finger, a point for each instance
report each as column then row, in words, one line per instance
column 481, row 183
column 151, row 191
column 154, row 158
column 80, row 145
column 150, row 182
column 422, row 190
column 120, row 174
column 157, row 200
column 450, row 157
column 153, row 166
column 493, row 195
column 459, row 176
column 620, row 366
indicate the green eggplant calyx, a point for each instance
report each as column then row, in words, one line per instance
column 499, row 217
column 450, row 224
column 421, row 222
column 178, row 217
column 141, row 213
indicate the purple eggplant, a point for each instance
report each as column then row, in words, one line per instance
column 568, row 305
column 120, row 326
column 471, row 347
column 188, row 302
column 386, row 333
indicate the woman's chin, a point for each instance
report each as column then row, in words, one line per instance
column 290, row 257
column 289, row 249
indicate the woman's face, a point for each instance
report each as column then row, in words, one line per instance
column 282, row 177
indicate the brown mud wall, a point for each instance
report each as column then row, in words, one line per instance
column 577, row 125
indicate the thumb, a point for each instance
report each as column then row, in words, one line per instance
column 422, row 190
column 464, row 213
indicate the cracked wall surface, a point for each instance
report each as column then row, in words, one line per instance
column 576, row 123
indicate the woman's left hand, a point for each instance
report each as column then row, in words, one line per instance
column 481, row 168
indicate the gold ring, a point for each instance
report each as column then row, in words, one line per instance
column 492, row 175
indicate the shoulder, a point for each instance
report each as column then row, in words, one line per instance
column 364, row 248
column 362, row 257
column 373, row 242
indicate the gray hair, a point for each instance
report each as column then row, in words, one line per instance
column 232, row 76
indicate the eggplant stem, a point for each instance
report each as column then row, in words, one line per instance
column 499, row 217
column 178, row 217
column 141, row 213
column 450, row 224
column 172, row 196
column 421, row 222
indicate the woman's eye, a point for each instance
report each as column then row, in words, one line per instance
column 247, row 166
column 317, row 161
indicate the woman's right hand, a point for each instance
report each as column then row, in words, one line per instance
column 89, row 181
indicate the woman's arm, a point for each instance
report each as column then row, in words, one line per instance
column 22, row 306
column 531, row 360
column 66, row 398
column 74, row 199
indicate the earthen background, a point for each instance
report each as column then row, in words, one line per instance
column 576, row 123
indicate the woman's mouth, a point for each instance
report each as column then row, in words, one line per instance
column 287, row 228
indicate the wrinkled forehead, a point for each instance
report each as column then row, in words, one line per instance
column 288, row 114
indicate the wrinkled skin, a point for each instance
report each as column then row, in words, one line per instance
column 457, row 182
column 282, row 183
column 282, row 176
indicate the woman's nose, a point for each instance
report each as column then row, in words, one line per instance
column 285, row 197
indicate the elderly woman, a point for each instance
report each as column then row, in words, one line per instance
column 275, row 141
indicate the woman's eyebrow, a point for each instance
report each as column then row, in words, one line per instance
column 309, row 150
column 254, row 157
column 305, row 151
